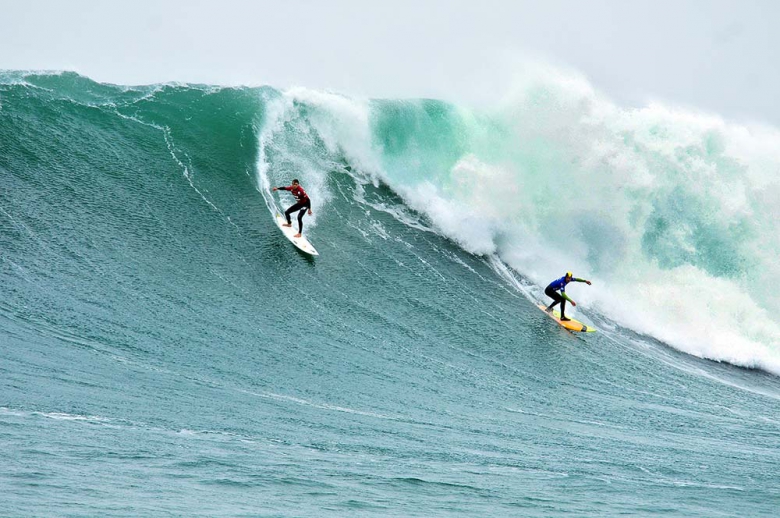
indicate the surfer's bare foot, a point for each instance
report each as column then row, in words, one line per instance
column 286, row 224
column 297, row 235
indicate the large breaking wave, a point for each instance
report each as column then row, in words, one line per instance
column 671, row 212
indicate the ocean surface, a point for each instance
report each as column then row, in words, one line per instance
column 165, row 351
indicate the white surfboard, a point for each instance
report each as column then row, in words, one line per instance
column 301, row 242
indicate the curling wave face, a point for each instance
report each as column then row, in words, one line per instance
column 671, row 212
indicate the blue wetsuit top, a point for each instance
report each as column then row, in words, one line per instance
column 560, row 284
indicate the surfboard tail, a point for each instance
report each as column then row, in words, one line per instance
column 572, row 325
column 302, row 243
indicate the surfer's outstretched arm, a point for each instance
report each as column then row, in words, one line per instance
column 566, row 297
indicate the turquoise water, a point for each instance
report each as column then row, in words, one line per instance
column 164, row 351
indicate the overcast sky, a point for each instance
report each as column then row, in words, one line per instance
column 719, row 56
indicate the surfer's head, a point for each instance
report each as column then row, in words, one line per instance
column 568, row 276
column 295, row 181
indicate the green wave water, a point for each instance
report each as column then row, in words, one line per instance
column 165, row 351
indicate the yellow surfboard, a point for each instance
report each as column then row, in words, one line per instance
column 572, row 325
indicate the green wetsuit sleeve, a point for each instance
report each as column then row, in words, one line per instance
column 563, row 294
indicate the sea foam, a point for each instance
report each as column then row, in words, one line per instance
column 670, row 212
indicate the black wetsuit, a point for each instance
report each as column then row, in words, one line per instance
column 302, row 204
column 557, row 299
column 551, row 291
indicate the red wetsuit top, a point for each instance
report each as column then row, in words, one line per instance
column 298, row 192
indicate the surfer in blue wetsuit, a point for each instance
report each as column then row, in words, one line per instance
column 302, row 202
column 560, row 285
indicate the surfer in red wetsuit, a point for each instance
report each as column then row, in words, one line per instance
column 302, row 202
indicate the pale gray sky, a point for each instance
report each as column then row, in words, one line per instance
column 721, row 56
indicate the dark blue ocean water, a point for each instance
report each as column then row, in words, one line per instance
column 165, row 351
